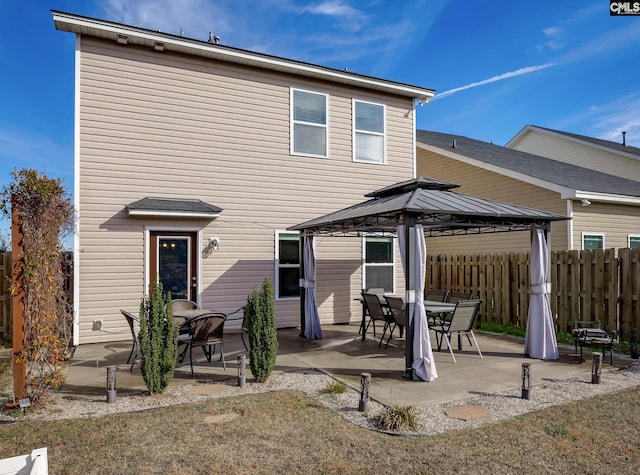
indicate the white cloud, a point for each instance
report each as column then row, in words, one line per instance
column 499, row 77
column 611, row 119
column 332, row 8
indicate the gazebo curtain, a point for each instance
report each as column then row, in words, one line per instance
column 540, row 341
column 312, row 328
column 424, row 366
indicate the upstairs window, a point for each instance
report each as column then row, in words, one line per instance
column 634, row 241
column 287, row 265
column 309, row 124
column 379, row 265
column 592, row 241
column 368, row 132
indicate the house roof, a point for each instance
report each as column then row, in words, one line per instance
column 176, row 207
column 607, row 145
column 568, row 179
column 441, row 211
column 130, row 35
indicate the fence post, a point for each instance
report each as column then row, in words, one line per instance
column 18, row 297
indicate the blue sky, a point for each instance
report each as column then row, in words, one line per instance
column 496, row 65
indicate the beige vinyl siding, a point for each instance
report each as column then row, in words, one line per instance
column 165, row 125
column 487, row 184
column 616, row 222
column 569, row 151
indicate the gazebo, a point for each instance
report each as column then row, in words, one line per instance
column 419, row 208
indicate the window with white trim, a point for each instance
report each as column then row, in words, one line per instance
column 368, row 132
column 309, row 123
column 287, row 265
column 633, row 241
column 379, row 263
column 592, row 241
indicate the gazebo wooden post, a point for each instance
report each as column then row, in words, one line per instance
column 17, row 302
column 409, row 278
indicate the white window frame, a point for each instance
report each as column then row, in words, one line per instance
column 365, row 264
column 357, row 131
column 311, row 124
column 592, row 234
column 630, row 237
column 278, row 265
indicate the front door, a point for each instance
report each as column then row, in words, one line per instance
column 173, row 261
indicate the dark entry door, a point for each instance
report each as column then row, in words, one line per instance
column 173, row 261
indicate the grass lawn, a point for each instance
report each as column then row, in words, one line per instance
column 287, row 432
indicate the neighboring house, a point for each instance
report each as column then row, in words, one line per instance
column 619, row 159
column 193, row 158
column 605, row 208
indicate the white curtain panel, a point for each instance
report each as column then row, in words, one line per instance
column 424, row 366
column 312, row 329
column 540, row 341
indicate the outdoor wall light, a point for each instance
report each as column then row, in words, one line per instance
column 585, row 202
column 158, row 46
column 122, row 39
column 214, row 243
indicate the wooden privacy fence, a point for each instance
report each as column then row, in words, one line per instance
column 585, row 285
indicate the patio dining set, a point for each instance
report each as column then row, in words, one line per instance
column 197, row 327
column 447, row 313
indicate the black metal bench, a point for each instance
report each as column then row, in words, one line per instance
column 590, row 334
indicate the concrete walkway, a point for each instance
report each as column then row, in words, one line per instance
column 344, row 356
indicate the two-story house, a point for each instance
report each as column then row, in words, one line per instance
column 192, row 159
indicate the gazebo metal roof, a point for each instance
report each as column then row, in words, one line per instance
column 441, row 211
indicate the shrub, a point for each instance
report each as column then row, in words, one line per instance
column 334, row 388
column 158, row 340
column 263, row 337
column 398, row 418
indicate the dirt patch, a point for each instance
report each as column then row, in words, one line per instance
column 221, row 418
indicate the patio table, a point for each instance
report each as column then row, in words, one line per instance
column 435, row 306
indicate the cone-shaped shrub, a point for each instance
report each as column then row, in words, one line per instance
column 158, row 340
column 263, row 337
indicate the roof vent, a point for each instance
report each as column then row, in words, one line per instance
column 624, row 138
column 454, row 143
column 213, row 39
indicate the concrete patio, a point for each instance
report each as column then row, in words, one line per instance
column 343, row 355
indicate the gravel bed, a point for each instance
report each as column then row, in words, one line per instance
column 433, row 419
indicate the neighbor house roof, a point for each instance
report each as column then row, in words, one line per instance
column 130, row 35
column 570, row 181
column 606, row 145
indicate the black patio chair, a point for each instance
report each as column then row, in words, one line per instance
column 183, row 304
column 437, row 295
column 134, row 348
column 376, row 312
column 398, row 313
column 205, row 331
